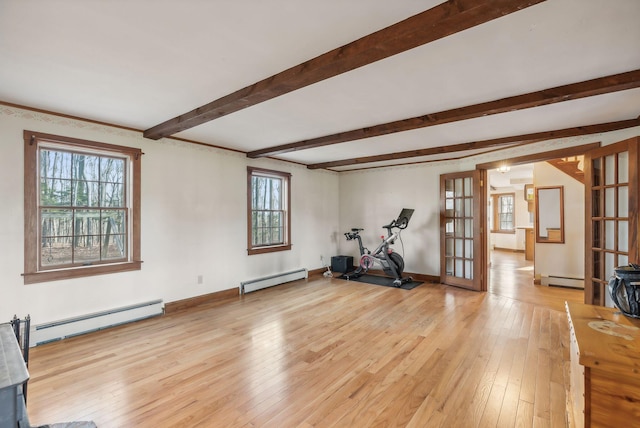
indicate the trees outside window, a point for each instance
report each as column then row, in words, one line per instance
column 268, row 211
column 82, row 208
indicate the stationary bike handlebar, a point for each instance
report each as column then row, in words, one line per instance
column 355, row 233
column 401, row 223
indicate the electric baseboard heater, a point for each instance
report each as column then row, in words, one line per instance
column 57, row 330
column 272, row 280
column 562, row 281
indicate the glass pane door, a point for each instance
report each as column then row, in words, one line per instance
column 611, row 235
column 460, row 231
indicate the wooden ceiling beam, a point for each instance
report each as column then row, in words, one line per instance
column 564, row 152
column 440, row 21
column 588, row 88
column 475, row 145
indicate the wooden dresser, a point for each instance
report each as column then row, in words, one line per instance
column 605, row 367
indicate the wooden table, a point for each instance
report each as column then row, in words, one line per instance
column 605, row 367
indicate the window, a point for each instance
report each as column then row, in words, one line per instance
column 503, row 212
column 268, row 211
column 82, row 208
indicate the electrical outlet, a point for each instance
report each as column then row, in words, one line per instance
column 200, row 279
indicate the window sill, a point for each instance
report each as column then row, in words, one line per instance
column 273, row 249
column 507, row 232
column 81, row 272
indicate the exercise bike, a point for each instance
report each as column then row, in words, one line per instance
column 391, row 262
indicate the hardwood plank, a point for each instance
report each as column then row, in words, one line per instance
column 494, row 404
column 427, row 414
column 332, row 406
column 558, row 417
column 541, row 405
column 524, row 415
column 183, row 304
column 469, row 415
column 509, row 408
column 320, row 352
column 478, row 402
column 527, row 391
column 518, row 365
column 440, row 21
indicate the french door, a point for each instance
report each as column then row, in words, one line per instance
column 462, row 235
column 611, row 209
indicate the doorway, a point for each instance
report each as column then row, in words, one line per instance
column 609, row 233
column 526, row 269
column 510, row 221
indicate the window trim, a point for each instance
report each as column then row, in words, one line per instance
column 495, row 224
column 251, row 249
column 31, row 273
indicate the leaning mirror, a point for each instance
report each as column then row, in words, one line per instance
column 550, row 215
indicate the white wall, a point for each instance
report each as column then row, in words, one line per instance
column 193, row 223
column 194, row 218
column 371, row 198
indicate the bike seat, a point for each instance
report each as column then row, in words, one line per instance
column 355, row 229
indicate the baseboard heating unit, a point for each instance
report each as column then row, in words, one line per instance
column 58, row 330
column 270, row 281
column 562, row 281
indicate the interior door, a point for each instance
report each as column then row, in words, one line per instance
column 611, row 209
column 462, row 235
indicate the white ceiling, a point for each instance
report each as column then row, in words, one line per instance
column 138, row 63
column 515, row 178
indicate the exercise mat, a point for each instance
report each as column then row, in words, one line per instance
column 382, row 280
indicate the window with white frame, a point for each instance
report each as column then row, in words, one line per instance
column 82, row 208
column 268, row 210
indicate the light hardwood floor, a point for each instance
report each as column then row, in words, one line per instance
column 322, row 352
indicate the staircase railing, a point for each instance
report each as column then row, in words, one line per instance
column 572, row 166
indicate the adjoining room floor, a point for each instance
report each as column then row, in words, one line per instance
column 512, row 276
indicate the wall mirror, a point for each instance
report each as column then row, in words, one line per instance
column 550, row 215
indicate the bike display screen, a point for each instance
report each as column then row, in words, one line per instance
column 405, row 216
